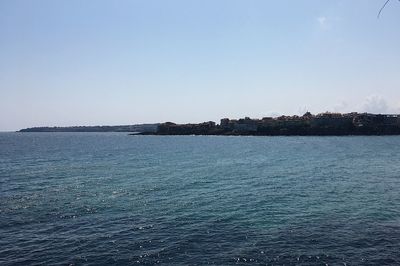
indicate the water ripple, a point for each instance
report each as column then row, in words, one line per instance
column 101, row 199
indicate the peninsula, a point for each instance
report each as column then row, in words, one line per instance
column 124, row 128
column 324, row 124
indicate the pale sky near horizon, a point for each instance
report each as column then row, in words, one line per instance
column 97, row 62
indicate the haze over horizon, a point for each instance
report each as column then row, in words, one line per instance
column 66, row 63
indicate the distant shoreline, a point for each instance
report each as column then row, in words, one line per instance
column 120, row 128
column 324, row 124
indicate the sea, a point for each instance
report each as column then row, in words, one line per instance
column 118, row 199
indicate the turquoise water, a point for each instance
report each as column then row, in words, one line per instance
column 104, row 198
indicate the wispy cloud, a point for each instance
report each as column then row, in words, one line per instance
column 376, row 104
column 342, row 107
column 323, row 23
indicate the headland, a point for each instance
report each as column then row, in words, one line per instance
column 324, row 124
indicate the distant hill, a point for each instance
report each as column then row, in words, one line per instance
column 141, row 128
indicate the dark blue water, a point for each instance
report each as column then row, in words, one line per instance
column 101, row 199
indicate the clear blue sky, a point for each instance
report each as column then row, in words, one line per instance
column 93, row 62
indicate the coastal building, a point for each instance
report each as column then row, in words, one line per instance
column 321, row 124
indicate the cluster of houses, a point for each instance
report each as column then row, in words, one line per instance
column 307, row 124
column 308, row 120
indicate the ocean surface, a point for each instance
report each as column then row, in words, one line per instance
column 111, row 198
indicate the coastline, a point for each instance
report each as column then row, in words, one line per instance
column 324, row 124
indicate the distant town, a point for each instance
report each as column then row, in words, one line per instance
column 335, row 124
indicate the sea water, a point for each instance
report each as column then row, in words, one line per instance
column 111, row 198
